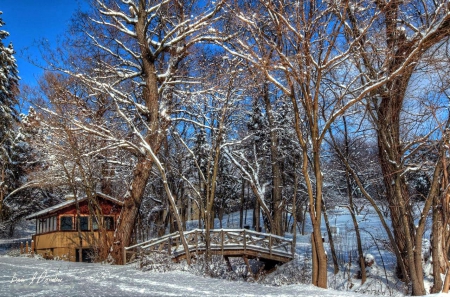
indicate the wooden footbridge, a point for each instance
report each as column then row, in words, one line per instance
column 244, row 243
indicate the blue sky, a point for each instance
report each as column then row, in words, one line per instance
column 29, row 21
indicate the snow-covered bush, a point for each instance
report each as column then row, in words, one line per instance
column 369, row 260
column 159, row 262
column 298, row 271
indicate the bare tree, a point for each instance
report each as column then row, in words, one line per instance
column 407, row 31
column 139, row 48
column 298, row 47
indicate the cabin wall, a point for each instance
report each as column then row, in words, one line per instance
column 65, row 244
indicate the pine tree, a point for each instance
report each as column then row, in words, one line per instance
column 9, row 80
column 8, row 117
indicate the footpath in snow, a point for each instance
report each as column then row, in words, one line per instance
column 20, row 276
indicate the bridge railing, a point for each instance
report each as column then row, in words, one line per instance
column 220, row 240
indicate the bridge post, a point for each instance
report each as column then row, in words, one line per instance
column 270, row 244
column 227, row 259
column 245, row 242
column 293, row 244
column 249, row 268
column 169, row 248
column 196, row 242
column 222, row 239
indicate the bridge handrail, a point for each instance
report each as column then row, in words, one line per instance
column 177, row 234
column 243, row 237
column 164, row 237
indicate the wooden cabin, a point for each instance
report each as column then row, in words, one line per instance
column 57, row 233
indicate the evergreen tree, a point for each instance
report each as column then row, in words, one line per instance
column 9, row 79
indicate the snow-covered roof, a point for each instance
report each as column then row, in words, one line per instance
column 64, row 204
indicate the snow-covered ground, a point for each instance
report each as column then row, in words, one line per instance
column 33, row 277
column 20, row 276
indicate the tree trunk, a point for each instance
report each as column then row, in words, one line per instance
column 2, row 181
column 315, row 261
column 241, row 210
column 390, row 154
column 315, row 212
column 440, row 208
column 106, row 181
column 319, row 260
column 330, row 237
column 150, row 94
column 437, row 245
column 294, row 213
column 132, row 202
column 256, row 217
column 277, row 203
column 304, row 219
column 362, row 264
column 446, row 282
column 401, row 52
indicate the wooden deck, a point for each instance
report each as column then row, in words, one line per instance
column 226, row 242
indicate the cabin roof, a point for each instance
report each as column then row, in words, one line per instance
column 65, row 204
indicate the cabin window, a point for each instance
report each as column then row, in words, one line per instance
column 94, row 224
column 66, row 223
column 46, row 225
column 43, row 225
column 109, row 223
column 84, row 223
column 54, row 224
